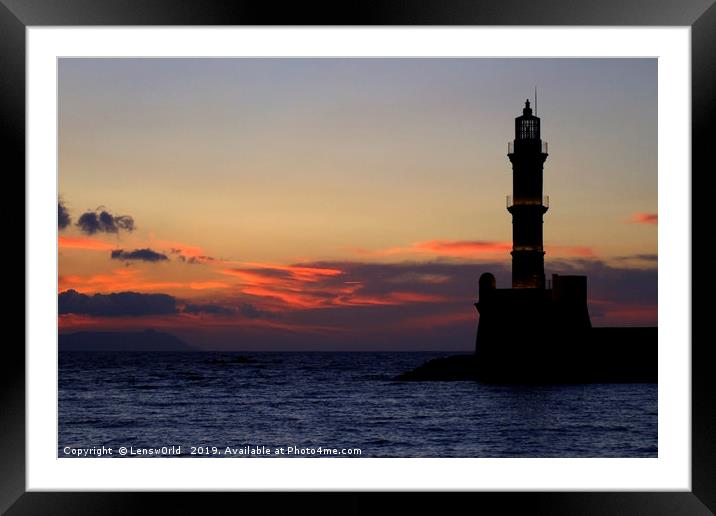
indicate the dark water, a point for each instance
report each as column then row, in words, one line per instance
column 339, row 401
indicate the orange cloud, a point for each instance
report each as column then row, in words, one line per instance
column 308, row 287
column 389, row 298
column 121, row 279
column 471, row 249
column 250, row 277
column 415, row 297
column 645, row 218
column 581, row 251
column 255, row 274
column 462, row 248
column 91, row 244
column 126, row 278
column 339, row 297
column 453, row 248
column 290, row 298
column 299, row 272
column 204, row 285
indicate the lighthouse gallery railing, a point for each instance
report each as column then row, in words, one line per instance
column 511, row 147
column 509, row 201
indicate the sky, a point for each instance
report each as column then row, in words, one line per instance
column 343, row 203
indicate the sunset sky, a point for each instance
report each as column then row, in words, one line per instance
column 343, row 203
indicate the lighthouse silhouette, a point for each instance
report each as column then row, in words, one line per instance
column 533, row 325
column 526, row 204
column 540, row 331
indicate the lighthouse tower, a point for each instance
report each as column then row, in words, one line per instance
column 526, row 204
column 530, row 328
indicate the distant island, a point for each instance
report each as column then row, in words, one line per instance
column 147, row 340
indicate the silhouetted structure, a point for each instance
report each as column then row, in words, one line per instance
column 526, row 204
column 532, row 330
column 535, row 331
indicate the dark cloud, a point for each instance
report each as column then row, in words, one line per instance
column 63, row 216
column 101, row 221
column 194, row 260
column 450, row 279
column 247, row 310
column 212, row 309
column 252, row 312
column 144, row 255
column 643, row 257
column 134, row 304
column 191, row 259
column 116, row 304
column 617, row 284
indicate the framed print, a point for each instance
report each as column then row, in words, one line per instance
column 440, row 249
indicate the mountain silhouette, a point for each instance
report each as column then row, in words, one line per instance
column 147, row 340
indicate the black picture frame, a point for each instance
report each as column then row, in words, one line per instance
column 700, row 15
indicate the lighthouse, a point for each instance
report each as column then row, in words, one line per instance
column 528, row 328
column 527, row 205
column 535, row 331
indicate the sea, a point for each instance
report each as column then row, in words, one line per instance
column 332, row 405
